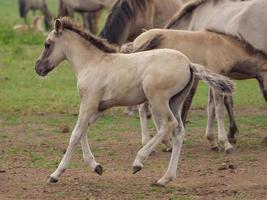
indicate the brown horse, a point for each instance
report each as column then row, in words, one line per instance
column 89, row 9
column 219, row 53
column 244, row 20
column 26, row 5
column 128, row 18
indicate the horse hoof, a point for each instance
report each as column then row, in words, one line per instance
column 99, row 170
column 156, row 184
column 232, row 140
column 52, row 180
column 136, row 169
column 229, row 150
column 215, row 149
column 168, row 150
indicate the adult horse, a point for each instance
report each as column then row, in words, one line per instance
column 89, row 9
column 244, row 20
column 128, row 18
column 220, row 53
column 26, row 5
column 131, row 79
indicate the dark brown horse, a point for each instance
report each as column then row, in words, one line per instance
column 26, row 5
column 128, row 18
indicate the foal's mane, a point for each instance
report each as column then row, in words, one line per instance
column 122, row 13
column 96, row 41
column 187, row 10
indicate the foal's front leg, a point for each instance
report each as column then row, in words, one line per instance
column 86, row 113
column 87, row 154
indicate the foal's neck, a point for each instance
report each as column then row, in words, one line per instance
column 80, row 53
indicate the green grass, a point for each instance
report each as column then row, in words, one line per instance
column 23, row 92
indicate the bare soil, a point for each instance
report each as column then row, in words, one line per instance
column 27, row 158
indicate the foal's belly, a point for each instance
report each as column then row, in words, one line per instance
column 134, row 96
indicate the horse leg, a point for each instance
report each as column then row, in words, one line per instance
column 87, row 154
column 143, row 121
column 47, row 17
column 87, row 114
column 219, row 108
column 189, row 99
column 161, row 113
column 210, row 122
column 228, row 102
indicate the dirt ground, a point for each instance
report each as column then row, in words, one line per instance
column 30, row 152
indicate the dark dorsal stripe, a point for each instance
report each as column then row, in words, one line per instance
column 96, row 41
column 122, row 13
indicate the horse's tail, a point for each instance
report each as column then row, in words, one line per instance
column 152, row 43
column 22, row 8
column 219, row 82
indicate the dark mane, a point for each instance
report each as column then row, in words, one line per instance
column 186, row 11
column 248, row 47
column 123, row 11
column 96, row 41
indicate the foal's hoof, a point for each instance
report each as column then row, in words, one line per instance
column 52, row 180
column 99, row 170
column 232, row 140
column 215, row 149
column 136, row 169
column 229, row 150
column 156, row 184
column 168, row 150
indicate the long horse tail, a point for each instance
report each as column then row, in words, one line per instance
column 22, row 8
column 219, row 82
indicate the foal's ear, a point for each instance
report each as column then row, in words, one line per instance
column 58, row 26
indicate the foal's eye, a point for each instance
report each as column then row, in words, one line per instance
column 47, row 45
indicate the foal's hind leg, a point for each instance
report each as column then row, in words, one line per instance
column 144, row 122
column 233, row 130
column 211, row 116
column 161, row 112
column 219, row 107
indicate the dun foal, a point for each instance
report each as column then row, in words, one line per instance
column 107, row 79
column 220, row 53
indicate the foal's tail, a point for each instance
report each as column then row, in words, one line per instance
column 219, row 82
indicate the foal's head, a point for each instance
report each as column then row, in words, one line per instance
column 57, row 44
column 52, row 54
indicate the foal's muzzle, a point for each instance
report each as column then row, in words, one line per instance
column 41, row 71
